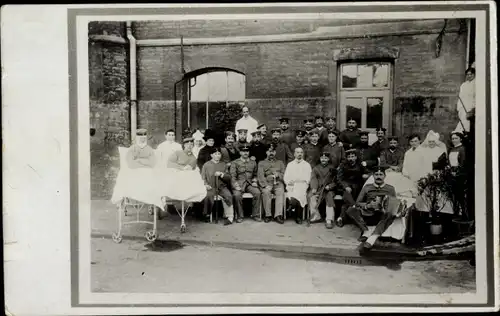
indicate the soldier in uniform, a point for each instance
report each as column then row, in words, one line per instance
column 244, row 175
column 322, row 130
column 217, row 182
column 265, row 136
column 393, row 156
column 382, row 143
column 334, row 149
column 331, row 124
column 283, row 152
column 350, row 136
column 351, row 177
column 270, row 176
column 367, row 155
column 308, row 127
column 242, row 138
column 287, row 135
column 312, row 150
column 257, row 148
column 299, row 140
column 323, row 185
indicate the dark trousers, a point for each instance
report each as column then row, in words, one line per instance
column 381, row 220
column 209, row 199
column 238, row 198
column 295, row 204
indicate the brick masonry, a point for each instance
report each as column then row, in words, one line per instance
column 293, row 79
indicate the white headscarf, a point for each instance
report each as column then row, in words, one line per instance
column 198, row 136
column 431, row 155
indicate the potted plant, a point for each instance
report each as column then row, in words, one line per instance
column 431, row 190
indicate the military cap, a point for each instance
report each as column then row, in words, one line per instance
column 362, row 133
column 187, row 140
column 393, row 138
column 381, row 129
column 351, row 151
column 242, row 130
column 333, row 131
column 351, row 119
column 300, row 133
column 284, row 120
column 261, row 125
column 245, row 148
column 276, row 130
column 308, row 121
column 256, row 133
column 325, row 154
column 141, row 132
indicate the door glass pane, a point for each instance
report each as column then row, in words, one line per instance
column 199, row 88
column 365, row 76
column 214, row 109
column 349, row 74
column 354, row 110
column 197, row 115
column 374, row 112
column 380, row 75
column 236, row 86
column 217, row 86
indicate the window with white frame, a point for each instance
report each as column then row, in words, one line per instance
column 209, row 92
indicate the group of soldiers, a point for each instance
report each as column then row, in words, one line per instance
column 312, row 165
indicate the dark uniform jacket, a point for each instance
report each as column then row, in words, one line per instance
column 294, row 145
column 258, row 150
column 283, row 152
column 392, row 158
column 337, row 154
column 323, row 135
column 267, row 139
column 288, row 137
column 308, row 134
column 351, row 176
column 208, row 175
column 203, row 156
column 312, row 153
column 243, row 172
column 265, row 171
column 368, row 155
column 378, row 146
column 238, row 144
column 229, row 154
column 350, row 139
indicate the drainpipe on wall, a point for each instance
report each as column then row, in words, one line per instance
column 133, row 81
column 467, row 49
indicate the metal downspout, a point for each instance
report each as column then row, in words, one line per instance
column 133, row 81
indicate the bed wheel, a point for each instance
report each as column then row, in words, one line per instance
column 183, row 228
column 116, row 238
column 150, row 236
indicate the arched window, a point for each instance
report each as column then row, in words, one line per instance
column 209, row 92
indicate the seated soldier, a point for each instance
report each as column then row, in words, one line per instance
column 217, row 183
column 283, row 152
column 323, row 184
column 351, row 177
column 297, row 177
column 369, row 209
column 140, row 154
column 244, row 177
column 270, row 176
column 257, row 148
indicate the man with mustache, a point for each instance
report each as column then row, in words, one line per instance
column 321, row 130
column 299, row 140
column 229, row 151
column 283, row 152
column 287, row 136
column 270, row 176
column 393, row 156
column 381, row 144
column 334, row 149
column 331, row 124
column 242, row 138
column 257, row 148
column 350, row 136
column 140, row 154
column 367, row 155
column 312, row 150
column 308, row 126
column 266, row 138
column 297, row 177
column 369, row 209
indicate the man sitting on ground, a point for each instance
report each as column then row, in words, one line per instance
column 297, row 177
column 244, row 176
column 217, row 182
column 369, row 208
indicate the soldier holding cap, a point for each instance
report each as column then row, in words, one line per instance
column 334, row 149
column 322, row 130
column 368, row 208
column 350, row 136
column 323, row 185
column 140, row 154
column 283, row 152
column 393, row 156
column 312, row 150
column 183, row 159
column 382, row 143
column 244, row 175
column 217, row 182
column 367, row 155
column 287, row 136
column 257, row 148
column 270, row 176
column 299, row 140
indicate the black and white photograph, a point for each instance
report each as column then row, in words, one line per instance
column 307, row 155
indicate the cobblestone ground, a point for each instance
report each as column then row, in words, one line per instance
column 133, row 267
